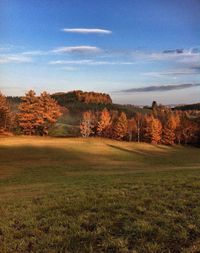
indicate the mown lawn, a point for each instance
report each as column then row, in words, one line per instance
column 97, row 195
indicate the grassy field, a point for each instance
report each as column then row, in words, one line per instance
column 96, row 195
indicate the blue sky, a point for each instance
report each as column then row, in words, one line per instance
column 137, row 51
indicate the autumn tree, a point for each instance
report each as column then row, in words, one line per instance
column 110, row 132
column 5, row 114
column 87, row 124
column 168, row 136
column 153, row 129
column 104, row 123
column 156, row 134
column 132, row 128
column 139, row 125
column 188, row 130
column 178, row 129
column 36, row 114
column 28, row 117
column 121, row 127
column 48, row 113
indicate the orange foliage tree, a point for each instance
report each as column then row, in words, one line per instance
column 188, row 130
column 121, row 127
column 132, row 128
column 49, row 111
column 153, row 130
column 87, row 124
column 5, row 114
column 104, row 123
column 28, row 113
column 139, row 118
column 36, row 114
column 168, row 136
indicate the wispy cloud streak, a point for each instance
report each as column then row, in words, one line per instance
column 14, row 59
column 177, row 72
column 86, row 30
column 36, row 53
column 77, row 49
column 161, row 88
column 181, row 56
column 89, row 62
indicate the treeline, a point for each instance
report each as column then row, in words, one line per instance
column 161, row 126
column 188, row 107
column 35, row 115
column 76, row 107
column 81, row 96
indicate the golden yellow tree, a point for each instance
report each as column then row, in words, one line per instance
column 121, row 127
column 154, row 130
column 168, row 135
column 104, row 123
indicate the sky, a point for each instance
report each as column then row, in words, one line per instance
column 135, row 50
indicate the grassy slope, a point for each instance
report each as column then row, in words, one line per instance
column 76, row 195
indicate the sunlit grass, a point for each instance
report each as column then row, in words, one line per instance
column 97, row 195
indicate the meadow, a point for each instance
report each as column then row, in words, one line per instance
column 93, row 195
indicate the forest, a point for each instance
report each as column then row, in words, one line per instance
column 97, row 116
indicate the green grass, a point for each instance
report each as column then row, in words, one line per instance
column 96, row 195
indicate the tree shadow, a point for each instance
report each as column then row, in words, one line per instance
column 137, row 152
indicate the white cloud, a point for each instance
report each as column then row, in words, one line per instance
column 77, row 49
column 14, row 59
column 36, row 52
column 75, row 62
column 89, row 62
column 177, row 72
column 87, row 30
column 186, row 56
column 111, row 63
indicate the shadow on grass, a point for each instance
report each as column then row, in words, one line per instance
column 28, row 163
column 137, row 152
column 54, row 164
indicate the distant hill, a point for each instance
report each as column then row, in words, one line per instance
column 79, row 101
column 188, row 107
column 81, row 96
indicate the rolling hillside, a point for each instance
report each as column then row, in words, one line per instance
column 98, row 195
